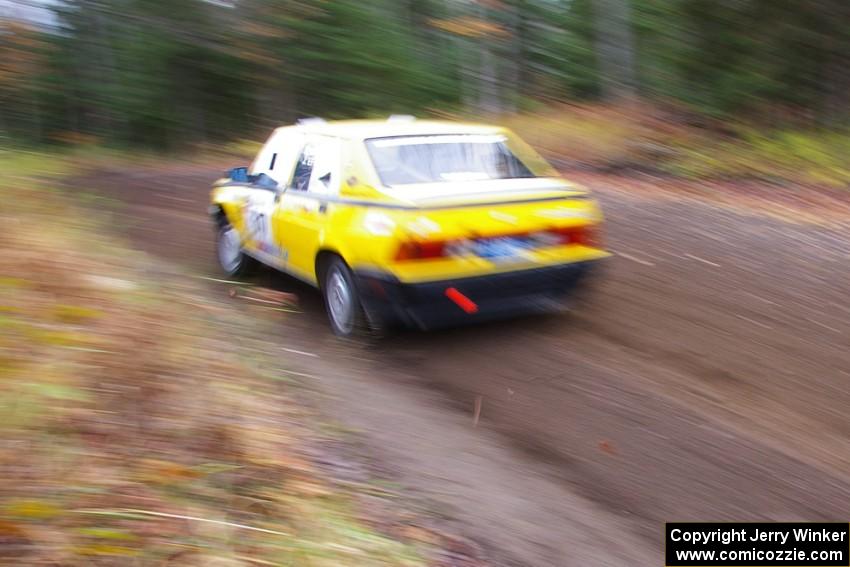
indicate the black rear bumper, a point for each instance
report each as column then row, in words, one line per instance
column 495, row 296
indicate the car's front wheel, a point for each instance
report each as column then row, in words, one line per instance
column 342, row 301
column 231, row 257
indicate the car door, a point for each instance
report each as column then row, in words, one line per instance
column 304, row 204
column 261, row 206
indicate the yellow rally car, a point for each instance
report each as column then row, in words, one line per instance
column 421, row 223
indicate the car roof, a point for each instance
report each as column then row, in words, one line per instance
column 364, row 129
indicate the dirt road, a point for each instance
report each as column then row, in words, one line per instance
column 707, row 378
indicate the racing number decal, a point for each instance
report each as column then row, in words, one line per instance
column 258, row 229
column 257, row 225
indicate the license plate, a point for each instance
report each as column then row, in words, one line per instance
column 501, row 248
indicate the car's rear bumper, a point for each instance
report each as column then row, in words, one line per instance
column 495, row 296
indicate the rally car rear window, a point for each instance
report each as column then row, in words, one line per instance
column 403, row 160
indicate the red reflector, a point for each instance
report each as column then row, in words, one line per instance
column 462, row 301
column 378, row 288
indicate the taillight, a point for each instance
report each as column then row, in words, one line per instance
column 592, row 236
column 585, row 235
column 420, row 250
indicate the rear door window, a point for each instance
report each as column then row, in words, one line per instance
column 318, row 167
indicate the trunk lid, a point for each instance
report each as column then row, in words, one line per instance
column 481, row 192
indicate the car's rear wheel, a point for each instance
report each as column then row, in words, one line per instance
column 342, row 301
column 231, row 257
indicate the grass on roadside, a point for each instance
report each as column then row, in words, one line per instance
column 650, row 139
column 141, row 426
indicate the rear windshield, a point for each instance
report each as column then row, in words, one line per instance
column 404, row 160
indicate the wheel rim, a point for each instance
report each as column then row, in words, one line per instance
column 229, row 250
column 340, row 302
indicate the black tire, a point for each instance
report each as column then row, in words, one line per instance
column 231, row 257
column 342, row 301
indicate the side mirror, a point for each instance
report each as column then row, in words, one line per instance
column 263, row 180
column 238, row 174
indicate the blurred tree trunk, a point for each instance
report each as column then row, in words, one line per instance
column 469, row 86
column 489, row 101
column 836, row 79
column 105, row 22
column 511, row 85
column 488, row 79
column 615, row 49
